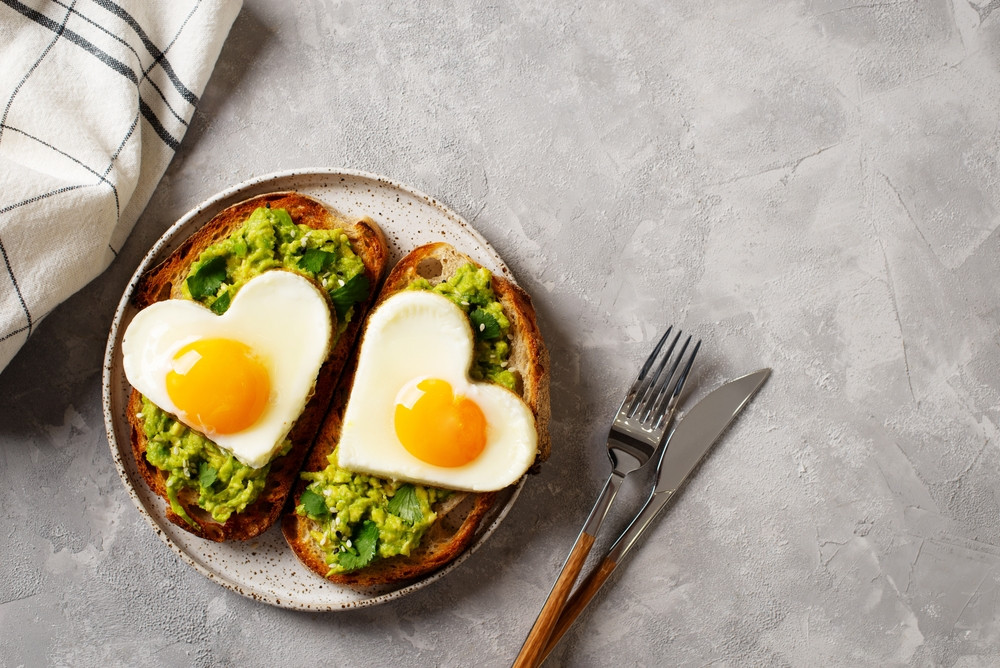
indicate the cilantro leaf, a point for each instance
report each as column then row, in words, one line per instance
column 221, row 305
column 404, row 504
column 362, row 551
column 354, row 290
column 315, row 260
column 207, row 474
column 314, row 503
column 206, row 281
column 484, row 325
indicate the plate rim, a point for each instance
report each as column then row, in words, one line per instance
column 168, row 237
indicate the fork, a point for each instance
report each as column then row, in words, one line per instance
column 635, row 435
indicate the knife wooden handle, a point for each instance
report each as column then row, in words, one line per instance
column 531, row 654
column 579, row 601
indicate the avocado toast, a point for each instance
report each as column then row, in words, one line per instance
column 208, row 492
column 362, row 530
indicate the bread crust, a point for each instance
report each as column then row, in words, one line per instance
column 164, row 282
column 460, row 515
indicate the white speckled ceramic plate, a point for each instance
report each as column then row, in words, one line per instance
column 265, row 568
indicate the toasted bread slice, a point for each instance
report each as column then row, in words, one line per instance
column 460, row 514
column 165, row 280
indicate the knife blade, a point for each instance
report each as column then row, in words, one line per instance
column 686, row 446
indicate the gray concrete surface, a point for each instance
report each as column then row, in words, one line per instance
column 807, row 185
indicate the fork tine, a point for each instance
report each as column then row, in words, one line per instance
column 665, row 411
column 652, row 356
column 643, row 404
column 648, row 384
column 633, row 393
column 660, row 389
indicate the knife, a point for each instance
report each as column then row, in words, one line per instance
column 686, row 445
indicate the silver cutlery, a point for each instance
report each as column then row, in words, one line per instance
column 687, row 444
column 635, row 434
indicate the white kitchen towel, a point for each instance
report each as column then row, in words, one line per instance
column 95, row 96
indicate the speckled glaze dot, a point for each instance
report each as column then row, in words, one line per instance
column 265, row 569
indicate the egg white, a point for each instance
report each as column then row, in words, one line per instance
column 281, row 316
column 415, row 335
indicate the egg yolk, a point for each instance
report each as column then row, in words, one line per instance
column 440, row 428
column 219, row 385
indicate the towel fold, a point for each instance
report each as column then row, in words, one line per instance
column 95, row 97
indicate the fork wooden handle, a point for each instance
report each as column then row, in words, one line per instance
column 578, row 602
column 531, row 654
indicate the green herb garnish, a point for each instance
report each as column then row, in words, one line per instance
column 404, row 504
column 484, row 325
column 315, row 260
column 221, row 305
column 362, row 550
column 354, row 290
column 210, row 276
column 207, row 474
column 314, row 503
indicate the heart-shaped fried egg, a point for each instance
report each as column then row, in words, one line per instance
column 241, row 378
column 414, row 414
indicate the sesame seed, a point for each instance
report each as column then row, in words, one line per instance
column 482, row 326
column 341, row 281
column 347, row 542
column 140, row 415
column 327, row 492
column 464, row 303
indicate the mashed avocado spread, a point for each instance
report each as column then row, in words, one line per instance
column 358, row 518
column 269, row 239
